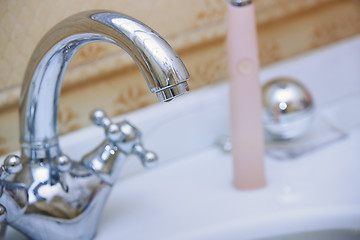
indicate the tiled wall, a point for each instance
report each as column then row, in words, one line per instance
column 103, row 76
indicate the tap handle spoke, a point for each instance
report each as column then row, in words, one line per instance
column 99, row 118
column 148, row 158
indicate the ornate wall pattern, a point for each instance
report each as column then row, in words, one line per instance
column 196, row 29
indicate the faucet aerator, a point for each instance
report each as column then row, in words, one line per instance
column 171, row 92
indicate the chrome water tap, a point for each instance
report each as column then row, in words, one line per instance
column 45, row 194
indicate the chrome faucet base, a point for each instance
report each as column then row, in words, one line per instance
column 84, row 226
column 44, row 193
column 67, row 203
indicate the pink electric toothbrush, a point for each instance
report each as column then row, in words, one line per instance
column 245, row 97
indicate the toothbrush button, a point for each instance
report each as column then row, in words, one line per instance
column 245, row 67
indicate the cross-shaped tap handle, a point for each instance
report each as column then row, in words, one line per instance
column 124, row 135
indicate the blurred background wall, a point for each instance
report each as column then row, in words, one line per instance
column 103, row 76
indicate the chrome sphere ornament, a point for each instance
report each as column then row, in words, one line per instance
column 288, row 108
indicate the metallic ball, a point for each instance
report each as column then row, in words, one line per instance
column 224, row 142
column 113, row 132
column 129, row 132
column 287, row 108
column 63, row 163
column 149, row 159
column 13, row 164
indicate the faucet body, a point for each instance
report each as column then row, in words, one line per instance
column 45, row 194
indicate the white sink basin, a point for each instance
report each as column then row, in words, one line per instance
column 190, row 194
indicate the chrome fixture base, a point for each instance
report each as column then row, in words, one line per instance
column 45, row 194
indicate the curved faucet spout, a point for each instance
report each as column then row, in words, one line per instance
column 45, row 194
column 162, row 68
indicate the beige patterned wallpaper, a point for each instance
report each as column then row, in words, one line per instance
column 196, row 29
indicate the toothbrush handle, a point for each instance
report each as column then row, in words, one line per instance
column 245, row 98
